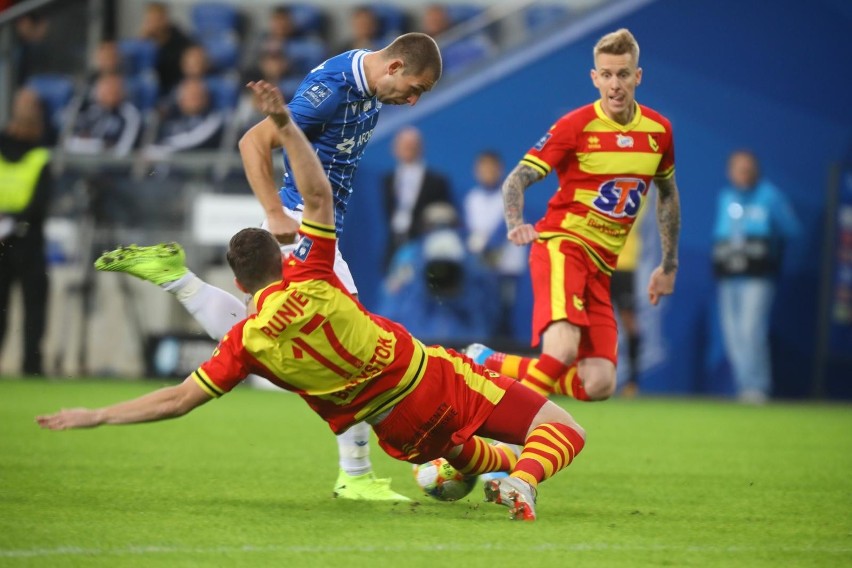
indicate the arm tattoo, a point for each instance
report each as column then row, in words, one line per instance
column 668, row 221
column 513, row 194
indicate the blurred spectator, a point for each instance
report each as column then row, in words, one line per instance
column 190, row 124
column 107, row 123
column 30, row 32
column 483, row 208
column 753, row 222
column 171, row 43
column 435, row 20
column 409, row 189
column 26, row 186
column 435, row 288
column 303, row 51
column 364, row 30
column 280, row 30
column 194, row 63
column 49, row 40
column 275, row 67
column 106, row 60
column 55, row 94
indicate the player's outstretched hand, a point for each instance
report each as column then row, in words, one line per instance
column 68, row 418
column 523, row 234
column 270, row 102
column 660, row 284
column 283, row 228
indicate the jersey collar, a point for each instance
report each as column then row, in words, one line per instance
column 359, row 73
column 637, row 117
column 261, row 295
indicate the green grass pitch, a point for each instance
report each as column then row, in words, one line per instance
column 246, row 481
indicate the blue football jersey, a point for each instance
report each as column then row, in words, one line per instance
column 335, row 109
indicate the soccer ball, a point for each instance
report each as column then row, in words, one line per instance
column 442, row 481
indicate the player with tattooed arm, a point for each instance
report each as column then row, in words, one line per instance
column 606, row 154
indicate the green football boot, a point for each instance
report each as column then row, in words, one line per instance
column 366, row 487
column 158, row 264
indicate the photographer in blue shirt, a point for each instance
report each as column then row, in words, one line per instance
column 753, row 222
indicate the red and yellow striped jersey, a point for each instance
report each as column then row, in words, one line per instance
column 310, row 336
column 604, row 170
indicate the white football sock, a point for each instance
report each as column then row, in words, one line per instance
column 354, row 448
column 216, row 310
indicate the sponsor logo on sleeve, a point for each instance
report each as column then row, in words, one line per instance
column 303, row 249
column 542, row 141
column 316, row 94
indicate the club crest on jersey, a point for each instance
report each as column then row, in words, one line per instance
column 542, row 141
column 368, row 105
column 653, row 144
column 624, row 141
column 316, row 94
column 303, row 248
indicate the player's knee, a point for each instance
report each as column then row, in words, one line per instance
column 551, row 413
column 569, row 421
column 600, row 387
column 561, row 341
column 598, row 376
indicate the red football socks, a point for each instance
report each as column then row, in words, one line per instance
column 548, row 449
column 479, row 456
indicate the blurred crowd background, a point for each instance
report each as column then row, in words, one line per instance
column 144, row 106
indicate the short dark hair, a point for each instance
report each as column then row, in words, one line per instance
column 255, row 258
column 419, row 52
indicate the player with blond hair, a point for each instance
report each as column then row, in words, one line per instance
column 606, row 154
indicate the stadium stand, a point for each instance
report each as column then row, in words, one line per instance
column 224, row 92
column 541, row 17
column 214, row 19
column 306, row 53
column 55, row 92
column 223, row 51
column 309, row 20
column 139, row 55
column 393, row 20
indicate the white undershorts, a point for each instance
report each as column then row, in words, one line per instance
column 340, row 266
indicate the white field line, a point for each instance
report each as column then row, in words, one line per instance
column 483, row 547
